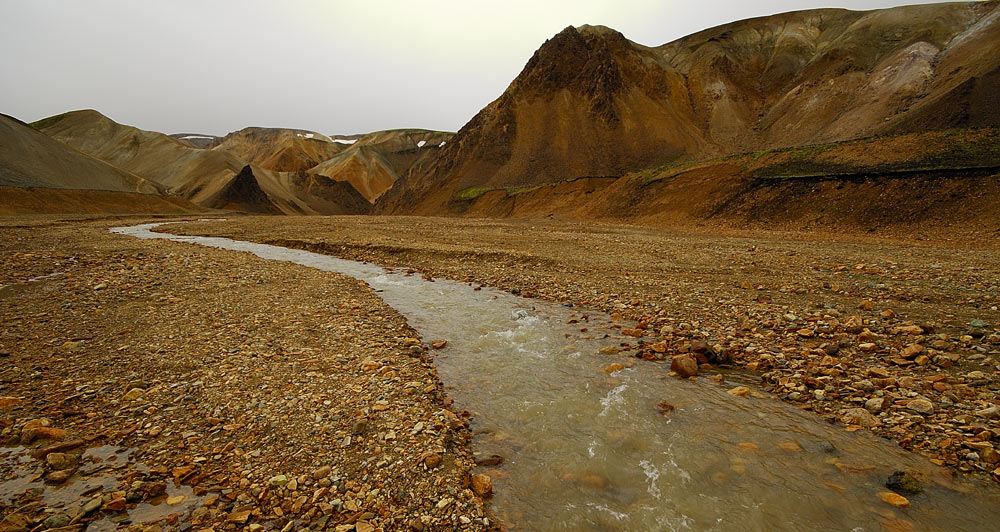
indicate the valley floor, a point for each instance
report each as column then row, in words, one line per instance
column 894, row 336
column 226, row 390
column 268, row 393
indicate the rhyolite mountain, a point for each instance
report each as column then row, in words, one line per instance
column 39, row 174
column 207, row 177
column 590, row 104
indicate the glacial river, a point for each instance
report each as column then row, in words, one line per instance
column 585, row 450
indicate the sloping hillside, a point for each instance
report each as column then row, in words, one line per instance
column 591, row 104
column 931, row 180
column 200, row 175
column 376, row 160
column 281, row 150
column 32, row 159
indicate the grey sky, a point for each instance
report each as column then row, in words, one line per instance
column 334, row 67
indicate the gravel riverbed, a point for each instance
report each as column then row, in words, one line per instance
column 151, row 385
column 898, row 336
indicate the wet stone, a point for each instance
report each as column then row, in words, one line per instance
column 904, row 483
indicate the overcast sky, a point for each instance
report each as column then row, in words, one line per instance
column 330, row 66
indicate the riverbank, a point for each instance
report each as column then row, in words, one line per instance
column 894, row 336
column 150, row 385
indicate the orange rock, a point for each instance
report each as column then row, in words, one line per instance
column 41, row 433
column 633, row 332
column 684, row 365
column 790, row 446
column 482, row 484
column 611, row 368
column 747, row 446
column 6, row 401
column 739, row 391
column 894, row 499
column 438, row 344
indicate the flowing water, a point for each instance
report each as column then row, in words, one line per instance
column 585, row 450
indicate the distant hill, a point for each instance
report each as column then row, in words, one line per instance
column 281, row 150
column 207, row 177
column 373, row 162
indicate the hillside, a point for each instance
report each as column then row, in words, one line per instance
column 592, row 104
column 918, row 181
column 206, row 177
column 373, row 162
column 281, row 150
column 32, row 159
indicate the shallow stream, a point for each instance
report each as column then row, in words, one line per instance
column 585, row 450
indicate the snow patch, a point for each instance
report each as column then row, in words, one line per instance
column 345, row 141
column 421, row 143
column 186, row 137
column 442, row 143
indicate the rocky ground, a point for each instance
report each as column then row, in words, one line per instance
column 897, row 336
column 149, row 385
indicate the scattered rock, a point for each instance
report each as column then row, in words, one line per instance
column 894, row 499
column 904, row 483
column 860, row 417
column 739, row 391
column 482, row 484
column 60, row 461
column 920, row 406
column 684, row 365
column 611, row 368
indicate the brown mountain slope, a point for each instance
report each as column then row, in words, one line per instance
column 32, row 159
column 920, row 181
column 281, row 150
column 376, row 160
column 200, row 175
column 590, row 103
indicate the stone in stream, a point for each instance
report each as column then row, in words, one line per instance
column 58, row 477
column 903, row 482
column 439, row 344
column 684, row 366
column 739, row 391
column 482, row 484
column 894, row 499
column 611, row 368
column 488, row 460
column 60, row 461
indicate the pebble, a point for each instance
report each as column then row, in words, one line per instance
column 684, row 365
column 482, row 484
column 739, row 391
column 894, row 499
column 920, row 406
column 860, row 417
column 611, row 368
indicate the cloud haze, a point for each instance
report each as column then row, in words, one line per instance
column 333, row 67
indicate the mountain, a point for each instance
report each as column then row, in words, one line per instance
column 41, row 175
column 281, row 150
column 590, row 104
column 201, row 175
column 32, row 159
column 373, row 162
column 196, row 140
